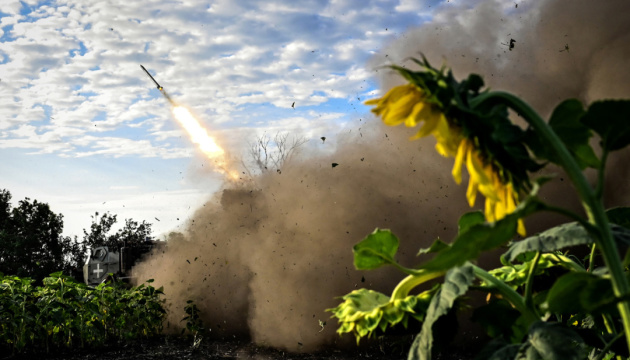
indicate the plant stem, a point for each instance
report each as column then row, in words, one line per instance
column 606, row 348
column 565, row 261
column 530, row 282
column 402, row 289
column 591, row 258
column 591, row 202
column 510, row 294
column 599, row 192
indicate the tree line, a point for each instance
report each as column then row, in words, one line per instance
column 32, row 244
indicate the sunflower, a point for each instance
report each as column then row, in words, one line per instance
column 411, row 105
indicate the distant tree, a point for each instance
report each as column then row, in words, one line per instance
column 31, row 241
column 269, row 153
column 131, row 234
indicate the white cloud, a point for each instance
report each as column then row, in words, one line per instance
column 10, row 6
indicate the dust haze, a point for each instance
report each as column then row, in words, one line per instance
column 265, row 258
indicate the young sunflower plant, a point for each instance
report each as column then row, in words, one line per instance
column 585, row 312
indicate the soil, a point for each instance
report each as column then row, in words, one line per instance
column 180, row 348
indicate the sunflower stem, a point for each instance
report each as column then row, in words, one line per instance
column 590, row 199
column 529, row 285
column 407, row 284
column 508, row 293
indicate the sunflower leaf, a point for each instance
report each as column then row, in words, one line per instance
column 377, row 249
column 609, row 119
column 456, row 283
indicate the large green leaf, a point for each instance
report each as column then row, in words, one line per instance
column 546, row 341
column 472, row 242
column 560, row 237
column 580, row 293
column 377, row 249
column 456, row 283
column 556, row 238
column 554, row 341
column 565, row 122
column 611, row 120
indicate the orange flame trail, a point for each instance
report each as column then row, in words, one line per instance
column 199, row 135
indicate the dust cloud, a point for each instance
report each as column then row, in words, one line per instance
column 265, row 258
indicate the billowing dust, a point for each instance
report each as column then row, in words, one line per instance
column 266, row 258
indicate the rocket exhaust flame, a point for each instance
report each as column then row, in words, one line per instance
column 198, row 134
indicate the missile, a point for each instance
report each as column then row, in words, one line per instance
column 156, row 83
column 158, row 86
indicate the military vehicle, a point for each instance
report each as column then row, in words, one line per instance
column 102, row 262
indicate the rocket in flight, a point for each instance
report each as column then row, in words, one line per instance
column 159, row 87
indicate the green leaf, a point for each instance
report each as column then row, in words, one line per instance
column 611, row 120
column 619, row 216
column 437, row 246
column 377, row 249
column 580, row 292
column 471, row 243
column 554, row 341
column 456, row 283
column 469, row 219
column 565, row 122
column 556, row 238
column 546, row 341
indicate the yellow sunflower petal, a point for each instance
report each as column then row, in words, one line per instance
column 413, row 119
column 400, row 109
column 476, row 169
column 471, row 192
column 521, row 228
column 489, row 210
column 459, row 161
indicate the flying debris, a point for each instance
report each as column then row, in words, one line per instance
column 159, row 87
column 510, row 45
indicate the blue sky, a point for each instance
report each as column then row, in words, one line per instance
column 84, row 129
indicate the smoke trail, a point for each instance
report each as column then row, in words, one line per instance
column 266, row 259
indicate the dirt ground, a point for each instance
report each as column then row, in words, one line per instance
column 177, row 348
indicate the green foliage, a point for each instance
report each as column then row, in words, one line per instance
column 375, row 250
column 31, row 241
column 581, row 293
column 545, row 341
column 194, row 324
column 131, row 234
column 610, row 120
column 365, row 312
column 65, row 314
column 544, row 302
column 554, row 239
column 565, row 122
column 456, row 284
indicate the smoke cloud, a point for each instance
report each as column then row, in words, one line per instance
column 264, row 259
